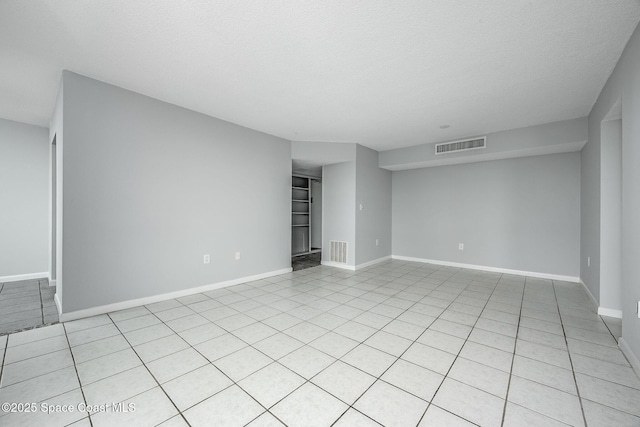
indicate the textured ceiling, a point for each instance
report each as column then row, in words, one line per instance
column 384, row 74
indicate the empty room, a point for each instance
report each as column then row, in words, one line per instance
column 320, row 213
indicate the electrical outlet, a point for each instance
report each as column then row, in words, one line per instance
column 461, row 246
column 377, row 242
column 237, row 256
column 588, row 261
column 207, row 258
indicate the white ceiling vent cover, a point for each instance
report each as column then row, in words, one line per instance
column 338, row 251
column 463, row 145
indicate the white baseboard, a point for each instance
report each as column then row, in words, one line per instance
column 338, row 265
column 632, row 358
column 94, row 311
column 375, row 261
column 491, row 269
column 593, row 299
column 18, row 277
column 610, row 312
column 602, row 311
column 357, row 267
column 56, row 299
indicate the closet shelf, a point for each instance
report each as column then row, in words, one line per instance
column 301, row 215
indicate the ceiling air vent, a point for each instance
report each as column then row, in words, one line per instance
column 465, row 144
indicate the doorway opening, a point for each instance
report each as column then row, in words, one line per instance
column 611, row 220
column 306, row 221
column 54, row 228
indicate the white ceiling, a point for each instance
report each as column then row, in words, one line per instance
column 385, row 74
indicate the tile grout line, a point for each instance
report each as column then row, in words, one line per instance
column 606, row 325
column 349, row 406
column 379, row 378
column 4, row 359
column 458, row 355
column 75, row 368
column 557, row 310
column 305, row 344
column 513, row 358
column 148, row 370
column 233, row 382
column 566, row 343
column 292, row 351
column 236, row 383
column 42, row 305
column 429, row 402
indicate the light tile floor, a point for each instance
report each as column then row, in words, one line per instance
column 26, row 304
column 396, row 344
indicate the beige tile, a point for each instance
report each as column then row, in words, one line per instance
column 271, row 384
column 344, row 381
column 391, row 406
column 309, row 406
column 415, row 379
column 469, row 403
column 196, row 386
column 548, row 401
column 231, row 407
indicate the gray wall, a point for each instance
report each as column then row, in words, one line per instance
column 624, row 83
column 338, row 208
column 373, row 192
column 346, row 186
column 24, row 199
column 150, row 187
column 520, row 214
column 611, row 215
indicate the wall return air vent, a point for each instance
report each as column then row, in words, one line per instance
column 463, row 145
column 338, row 251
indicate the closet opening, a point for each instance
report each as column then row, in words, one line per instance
column 306, row 221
